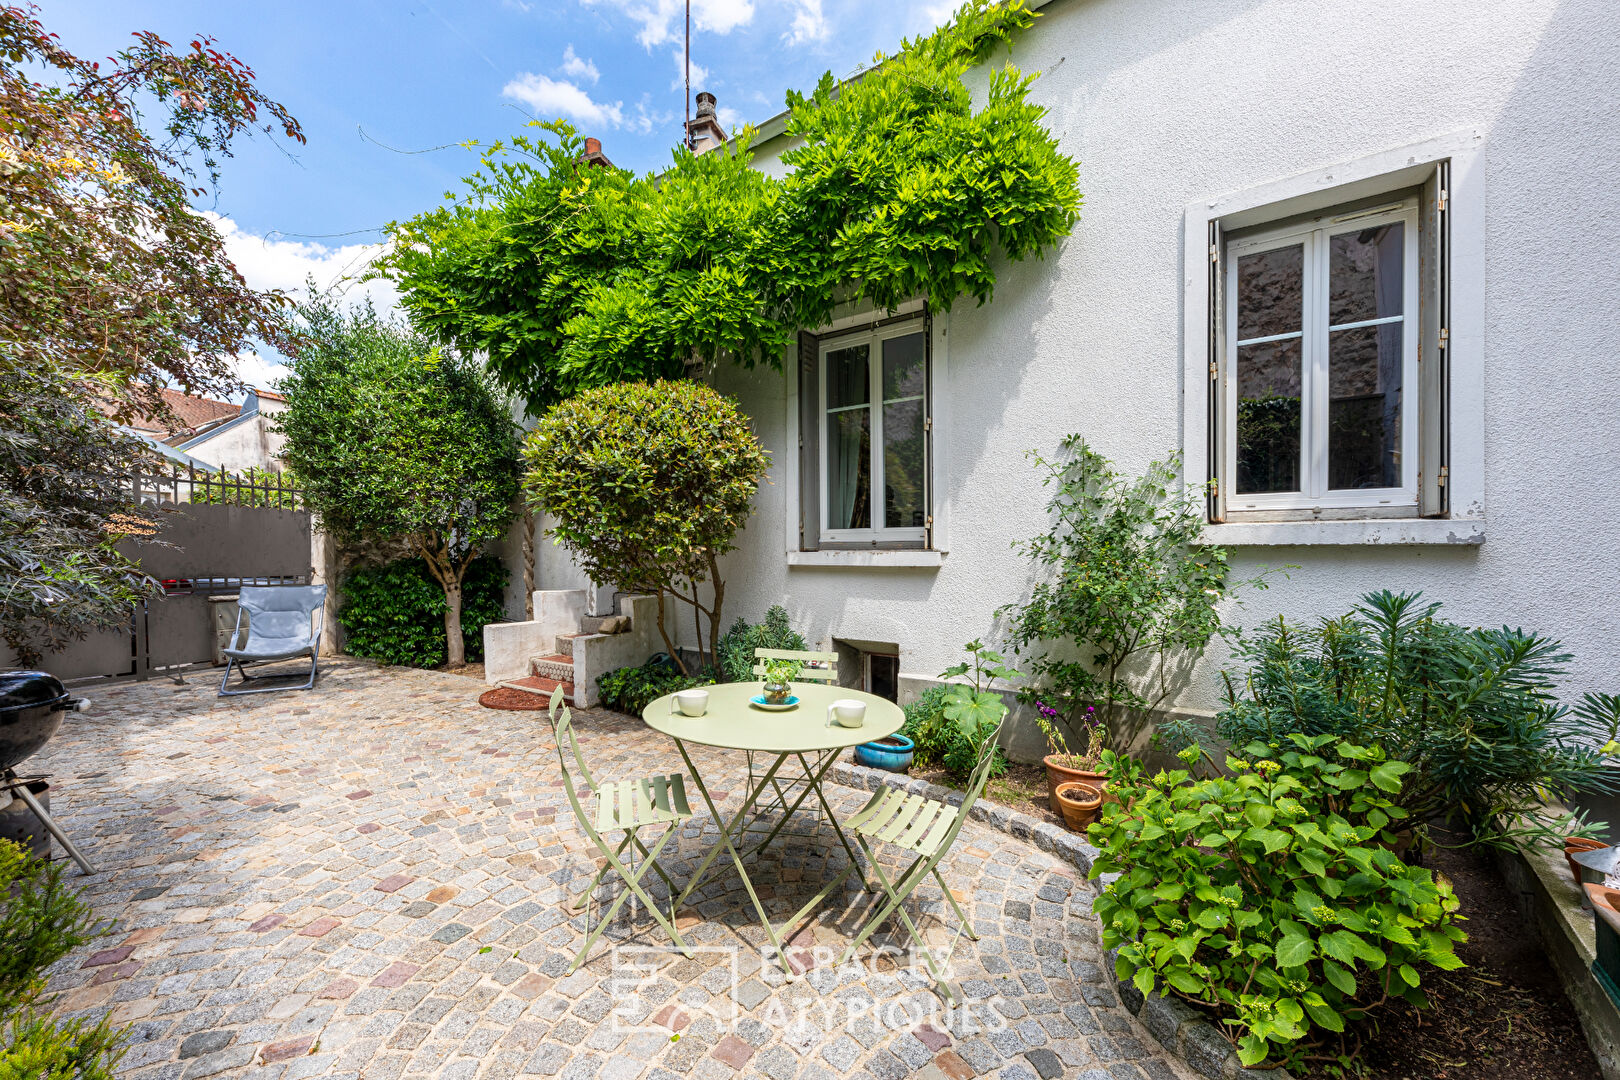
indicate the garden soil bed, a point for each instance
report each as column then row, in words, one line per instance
column 1503, row 1017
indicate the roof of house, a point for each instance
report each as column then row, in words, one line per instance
column 190, row 413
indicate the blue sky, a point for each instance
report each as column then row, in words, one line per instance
column 369, row 79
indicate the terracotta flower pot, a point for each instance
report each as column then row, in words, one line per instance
column 1059, row 773
column 1574, row 845
column 1079, row 803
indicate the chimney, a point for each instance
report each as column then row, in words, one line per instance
column 704, row 132
column 593, row 154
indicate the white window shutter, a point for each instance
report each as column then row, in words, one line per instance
column 1434, row 419
column 809, row 442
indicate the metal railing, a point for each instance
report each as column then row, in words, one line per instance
column 187, row 484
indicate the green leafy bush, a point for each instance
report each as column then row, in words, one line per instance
column 1127, row 592
column 950, row 722
column 630, row 689
column 928, row 727
column 41, row 920
column 647, row 485
column 1271, row 893
column 1472, row 711
column 738, row 644
column 395, row 612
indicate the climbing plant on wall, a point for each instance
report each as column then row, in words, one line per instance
column 570, row 275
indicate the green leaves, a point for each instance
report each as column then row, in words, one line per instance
column 970, row 708
column 1285, row 907
column 571, row 276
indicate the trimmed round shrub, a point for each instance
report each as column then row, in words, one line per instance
column 395, row 612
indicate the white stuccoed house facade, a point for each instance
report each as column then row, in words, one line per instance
column 1447, row 166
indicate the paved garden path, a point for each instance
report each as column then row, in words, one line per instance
column 367, row 880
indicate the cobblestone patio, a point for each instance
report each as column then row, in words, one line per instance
column 368, row 880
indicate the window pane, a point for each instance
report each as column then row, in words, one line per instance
column 848, row 381
column 1365, row 274
column 1268, row 417
column 849, row 469
column 903, row 465
column 1271, row 292
column 1364, row 407
column 903, row 367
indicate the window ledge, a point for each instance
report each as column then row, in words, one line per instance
column 1374, row 531
column 912, row 559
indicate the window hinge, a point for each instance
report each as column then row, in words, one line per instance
column 1215, row 487
column 1214, row 253
column 929, row 521
column 1445, row 336
column 928, row 423
column 1214, row 370
column 1440, row 201
column 1445, row 471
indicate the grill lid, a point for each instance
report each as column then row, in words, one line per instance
column 25, row 689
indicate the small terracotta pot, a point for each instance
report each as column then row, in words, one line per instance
column 1079, row 803
column 1574, row 845
column 1058, row 773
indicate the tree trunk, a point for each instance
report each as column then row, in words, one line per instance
column 527, row 520
column 714, row 613
column 663, row 632
column 455, row 645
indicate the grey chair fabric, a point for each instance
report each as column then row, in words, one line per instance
column 283, row 623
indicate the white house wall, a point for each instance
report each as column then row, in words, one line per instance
column 1165, row 104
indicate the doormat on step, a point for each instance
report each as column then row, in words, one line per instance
column 504, row 697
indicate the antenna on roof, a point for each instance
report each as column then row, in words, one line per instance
column 686, row 131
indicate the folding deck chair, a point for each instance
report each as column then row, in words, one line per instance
column 284, row 623
column 629, row 805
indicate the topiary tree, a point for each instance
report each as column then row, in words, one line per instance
column 648, row 483
column 394, row 439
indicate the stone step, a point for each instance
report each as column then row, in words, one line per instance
column 565, row 644
column 538, row 684
column 558, row 667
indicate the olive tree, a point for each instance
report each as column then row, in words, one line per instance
column 394, row 439
column 647, row 485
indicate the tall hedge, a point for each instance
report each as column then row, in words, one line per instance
column 395, row 612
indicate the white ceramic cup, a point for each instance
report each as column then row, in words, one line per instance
column 692, row 702
column 847, row 713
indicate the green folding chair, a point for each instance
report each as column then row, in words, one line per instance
column 627, row 805
column 927, row 829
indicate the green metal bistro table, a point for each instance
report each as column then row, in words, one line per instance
column 804, row 733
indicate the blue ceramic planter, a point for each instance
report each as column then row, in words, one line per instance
column 891, row 754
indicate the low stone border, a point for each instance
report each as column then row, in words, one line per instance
column 1177, row 1026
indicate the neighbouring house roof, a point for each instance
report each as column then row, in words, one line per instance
column 169, row 452
column 190, row 413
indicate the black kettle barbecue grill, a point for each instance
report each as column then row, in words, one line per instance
column 32, row 704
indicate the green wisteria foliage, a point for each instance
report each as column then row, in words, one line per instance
column 571, row 276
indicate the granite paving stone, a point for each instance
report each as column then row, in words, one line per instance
column 372, row 880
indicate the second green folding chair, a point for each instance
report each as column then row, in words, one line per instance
column 627, row 805
column 926, row 828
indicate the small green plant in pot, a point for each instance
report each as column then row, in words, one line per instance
column 779, row 675
column 1065, row 766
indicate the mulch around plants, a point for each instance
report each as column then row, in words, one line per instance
column 504, row 697
column 1504, row 1016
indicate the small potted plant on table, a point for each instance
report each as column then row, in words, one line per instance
column 779, row 676
column 1064, row 766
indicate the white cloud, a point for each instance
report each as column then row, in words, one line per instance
column 257, row 371
column 576, row 67
column 729, row 118
column 270, row 263
column 558, row 97
column 700, row 74
column 661, row 19
column 809, row 23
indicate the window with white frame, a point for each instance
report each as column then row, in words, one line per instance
column 868, row 475
column 1321, row 408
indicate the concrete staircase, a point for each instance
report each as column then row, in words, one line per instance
column 562, row 646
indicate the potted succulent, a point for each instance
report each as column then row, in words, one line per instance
column 1064, row 765
column 1079, row 803
column 779, row 675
